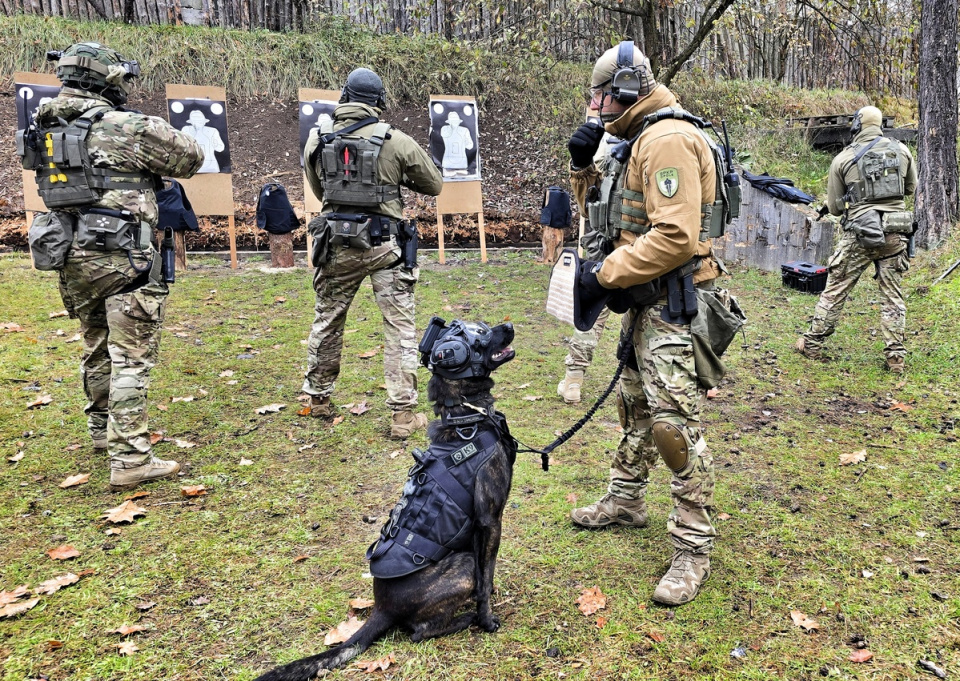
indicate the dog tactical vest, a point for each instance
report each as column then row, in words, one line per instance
column 348, row 168
column 607, row 212
column 434, row 517
column 65, row 176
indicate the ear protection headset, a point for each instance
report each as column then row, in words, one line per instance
column 625, row 83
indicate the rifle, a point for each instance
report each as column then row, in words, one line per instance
column 730, row 177
column 947, row 273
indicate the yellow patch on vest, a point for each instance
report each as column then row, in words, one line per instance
column 668, row 181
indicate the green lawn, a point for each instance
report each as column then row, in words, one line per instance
column 869, row 550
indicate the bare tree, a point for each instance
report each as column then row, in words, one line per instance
column 937, row 202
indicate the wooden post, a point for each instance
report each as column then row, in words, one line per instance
column 440, row 236
column 552, row 244
column 483, row 238
column 309, row 238
column 583, row 230
column 232, row 229
column 281, row 250
column 29, row 215
column 180, row 251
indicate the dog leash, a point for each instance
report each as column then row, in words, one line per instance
column 622, row 354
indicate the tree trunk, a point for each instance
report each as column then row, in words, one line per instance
column 937, row 198
column 281, row 250
column 552, row 244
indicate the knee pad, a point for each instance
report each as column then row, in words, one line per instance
column 675, row 445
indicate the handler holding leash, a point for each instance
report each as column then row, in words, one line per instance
column 356, row 165
column 656, row 202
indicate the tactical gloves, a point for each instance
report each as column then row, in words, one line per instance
column 584, row 144
column 590, row 288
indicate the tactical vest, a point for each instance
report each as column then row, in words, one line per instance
column 434, row 517
column 611, row 208
column 878, row 164
column 348, row 168
column 66, row 177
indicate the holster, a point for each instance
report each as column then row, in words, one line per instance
column 408, row 241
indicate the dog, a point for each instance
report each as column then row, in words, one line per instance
column 439, row 585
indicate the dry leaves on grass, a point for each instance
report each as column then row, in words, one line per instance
column 15, row 609
column 361, row 603
column 16, row 457
column 572, row 498
column 146, row 605
column 900, row 406
column 369, row 353
column 853, row 457
column 61, row 313
column 74, row 480
column 11, row 327
column 41, row 401
column 336, row 420
column 193, row 490
column 532, row 398
column 656, row 636
column 245, row 462
column 304, row 412
column 226, row 373
column 52, row 586
column 137, row 495
column 591, row 600
column 802, row 621
column 64, row 552
column 15, row 595
column 343, row 631
column 127, row 629
column 74, row 339
column 184, row 444
column 723, row 515
column 124, row 513
column 300, row 559
column 376, row 665
column 187, row 398
column 361, row 408
column 127, row 648
column 863, row 655
column 72, row 448
column 270, row 408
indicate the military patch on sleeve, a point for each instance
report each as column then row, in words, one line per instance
column 668, row 181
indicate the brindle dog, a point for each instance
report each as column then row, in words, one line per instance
column 433, row 601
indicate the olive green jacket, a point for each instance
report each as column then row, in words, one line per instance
column 838, row 180
column 401, row 161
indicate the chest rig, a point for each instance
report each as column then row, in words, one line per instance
column 878, row 164
column 66, row 177
column 612, row 207
column 435, row 515
column 348, row 166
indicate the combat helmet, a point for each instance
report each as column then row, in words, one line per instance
column 96, row 68
column 363, row 85
column 624, row 73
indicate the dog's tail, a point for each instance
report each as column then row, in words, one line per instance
column 307, row 668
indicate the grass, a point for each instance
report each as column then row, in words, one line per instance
column 801, row 529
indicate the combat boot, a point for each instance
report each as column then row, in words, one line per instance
column 153, row 469
column 682, row 582
column 99, row 440
column 809, row 353
column 322, row 407
column 611, row 510
column 406, row 423
column 569, row 387
column 895, row 364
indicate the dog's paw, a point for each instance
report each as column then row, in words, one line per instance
column 489, row 624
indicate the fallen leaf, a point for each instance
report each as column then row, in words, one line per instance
column 226, row 373
column 112, row 531
column 15, row 609
column 369, row 353
column 54, row 645
column 11, row 596
column 713, row 392
column 184, row 444
column 200, row 600
column 41, row 401
column 124, row 513
column 803, row 621
column 304, row 412
column 591, row 600
column 279, row 299
column 270, row 408
column 72, row 448
column 601, row 622
column 853, row 457
column 137, row 495
column 376, row 665
column 337, row 420
column 724, row 516
column 54, row 585
column 127, row 648
column 155, row 438
column 863, row 655
column 900, row 406
column 245, row 462
column 395, row 453
column 300, row 559
column 532, row 398
column 16, row 457
column 74, row 480
column 866, row 574
column 162, row 407
column 61, row 313
column 571, row 498
column 342, row 631
column 306, row 447
column 74, row 339
column 521, row 387
column 361, row 408
column 146, row 605
column 127, row 629
column 361, row 603
column 656, row 636
column 193, row 490
column 11, row 327
column 64, row 552
column 188, row 398
column 233, row 382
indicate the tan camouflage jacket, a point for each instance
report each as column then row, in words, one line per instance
column 129, row 142
column 837, row 181
column 402, row 161
column 677, row 148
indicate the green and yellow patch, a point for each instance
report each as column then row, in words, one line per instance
column 668, row 181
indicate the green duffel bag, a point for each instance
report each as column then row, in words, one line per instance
column 50, row 237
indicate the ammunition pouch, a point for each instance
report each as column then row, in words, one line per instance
column 718, row 320
column 100, row 229
column 898, row 222
column 356, row 230
column 50, row 237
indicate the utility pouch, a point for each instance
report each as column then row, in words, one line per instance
column 718, row 320
column 319, row 230
column 103, row 230
column 30, row 156
column 350, row 230
column 898, row 222
column 50, row 237
column 868, row 229
column 734, row 196
column 713, row 224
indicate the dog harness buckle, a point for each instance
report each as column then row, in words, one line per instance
column 462, row 432
column 418, row 559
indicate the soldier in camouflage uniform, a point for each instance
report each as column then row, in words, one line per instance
column 117, row 294
column 670, row 175
column 401, row 161
column 867, row 239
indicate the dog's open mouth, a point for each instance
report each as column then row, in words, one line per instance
column 502, row 356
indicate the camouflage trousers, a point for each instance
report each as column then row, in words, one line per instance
column 584, row 343
column 845, row 267
column 121, row 341
column 665, row 389
column 336, row 284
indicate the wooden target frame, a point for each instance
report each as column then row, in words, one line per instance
column 210, row 194
column 312, row 204
column 460, row 196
